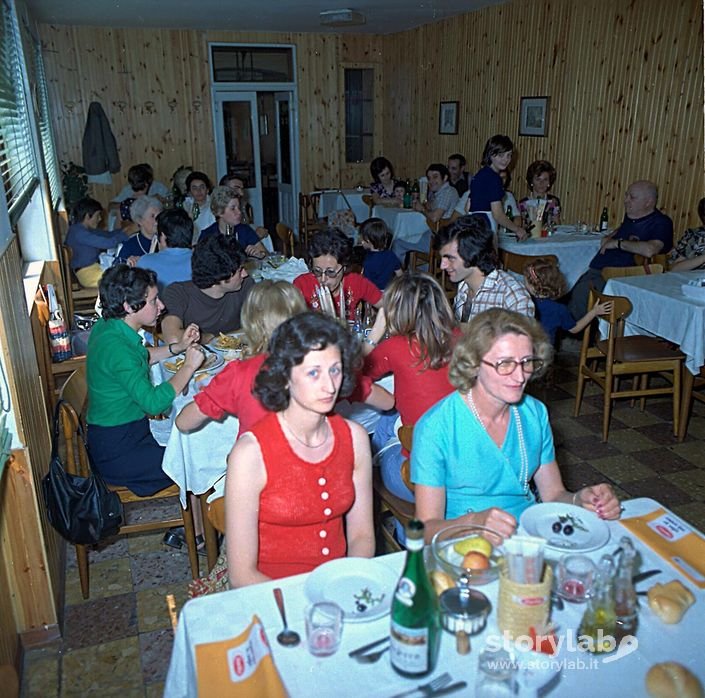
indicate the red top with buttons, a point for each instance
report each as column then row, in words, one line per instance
column 303, row 504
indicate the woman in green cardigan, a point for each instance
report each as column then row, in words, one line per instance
column 120, row 392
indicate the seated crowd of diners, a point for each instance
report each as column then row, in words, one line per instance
column 299, row 476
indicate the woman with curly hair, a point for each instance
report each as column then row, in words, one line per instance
column 299, row 484
column 540, row 177
column 477, row 450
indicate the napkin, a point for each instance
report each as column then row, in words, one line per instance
column 241, row 667
column 674, row 540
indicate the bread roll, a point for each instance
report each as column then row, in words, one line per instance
column 670, row 601
column 672, row 680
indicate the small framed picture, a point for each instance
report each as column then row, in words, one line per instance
column 533, row 116
column 448, row 118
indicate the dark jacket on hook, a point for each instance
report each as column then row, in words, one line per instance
column 100, row 152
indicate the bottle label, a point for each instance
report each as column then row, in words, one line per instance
column 408, row 648
column 406, row 590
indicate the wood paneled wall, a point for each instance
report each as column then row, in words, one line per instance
column 625, row 80
column 626, row 85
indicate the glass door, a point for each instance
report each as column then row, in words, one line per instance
column 237, row 143
column 288, row 209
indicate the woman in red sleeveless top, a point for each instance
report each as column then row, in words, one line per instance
column 301, row 479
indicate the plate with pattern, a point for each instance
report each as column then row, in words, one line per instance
column 565, row 527
column 361, row 586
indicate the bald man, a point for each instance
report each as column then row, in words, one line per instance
column 644, row 230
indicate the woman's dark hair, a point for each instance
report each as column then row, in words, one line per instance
column 84, row 207
column 496, row 145
column 377, row 165
column 177, row 227
column 333, row 242
column 538, row 167
column 701, row 210
column 216, row 259
column 475, row 242
column 201, row 176
column 123, row 284
column 140, row 177
column 288, row 347
column 376, row 232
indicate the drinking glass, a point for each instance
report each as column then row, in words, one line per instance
column 324, row 628
column 575, row 578
column 495, row 674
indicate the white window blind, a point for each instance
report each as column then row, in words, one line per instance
column 18, row 164
column 51, row 161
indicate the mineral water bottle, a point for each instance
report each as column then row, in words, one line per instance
column 415, row 626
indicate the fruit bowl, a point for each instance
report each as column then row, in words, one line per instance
column 450, row 545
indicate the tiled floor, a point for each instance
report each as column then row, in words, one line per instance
column 119, row 641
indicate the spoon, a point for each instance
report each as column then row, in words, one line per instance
column 288, row 638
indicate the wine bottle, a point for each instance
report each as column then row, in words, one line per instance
column 415, row 626
column 604, row 219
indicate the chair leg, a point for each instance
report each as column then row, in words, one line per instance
column 82, row 559
column 579, row 393
column 686, row 400
column 607, row 408
column 187, row 516
column 677, row 388
column 643, row 385
column 209, row 533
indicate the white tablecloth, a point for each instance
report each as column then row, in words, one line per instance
column 574, row 250
column 661, row 309
column 404, row 223
column 222, row 616
column 335, row 201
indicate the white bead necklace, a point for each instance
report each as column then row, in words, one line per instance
column 524, row 470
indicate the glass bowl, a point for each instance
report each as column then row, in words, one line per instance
column 448, row 560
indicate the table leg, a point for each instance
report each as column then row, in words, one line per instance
column 686, row 399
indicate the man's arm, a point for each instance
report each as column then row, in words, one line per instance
column 646, row 248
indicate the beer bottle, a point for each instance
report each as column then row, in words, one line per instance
column 415, row 626
column 604, row 219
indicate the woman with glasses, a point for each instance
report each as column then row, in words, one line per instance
column 328, row 287
column 476, row 451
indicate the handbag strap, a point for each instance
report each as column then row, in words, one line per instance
column 79, row 430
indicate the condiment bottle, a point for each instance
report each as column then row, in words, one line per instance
column 599, row 620
column 625, row 600
column 415, row 625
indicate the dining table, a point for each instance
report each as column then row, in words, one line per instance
column 223, row 616
column 405, row 224
column 573, row 248
column 341, row 199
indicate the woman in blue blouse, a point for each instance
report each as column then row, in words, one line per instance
column 476, row 451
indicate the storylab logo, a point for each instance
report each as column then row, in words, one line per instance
column 570, row 651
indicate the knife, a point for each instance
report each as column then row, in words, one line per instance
column 641, row 576
column 447, row 689
column 365, row 648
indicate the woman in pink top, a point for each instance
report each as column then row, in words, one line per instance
column 422, row 333
column 268, row 304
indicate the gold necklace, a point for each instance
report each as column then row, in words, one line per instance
column 301, row 441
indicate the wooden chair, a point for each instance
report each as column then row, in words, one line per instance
column 429, row 259
column 309, row 222
column 661, row 259
column 640, row 270
column 607, row 361
column 286, row 236
column 687, row 401
column 514, row 262
column 75, row 396
column 77, row 298
column 385, row 501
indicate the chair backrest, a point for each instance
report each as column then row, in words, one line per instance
column 286, row 235
column 621, row 308
column 406, row 434
column 514, row 262
column 661, row 259
column 640, row 270
column 74, row 394
column 369, row 202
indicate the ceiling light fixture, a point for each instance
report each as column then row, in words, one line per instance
column 342, row 18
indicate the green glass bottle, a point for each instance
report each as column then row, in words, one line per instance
column 604, row 219
column 415, row 626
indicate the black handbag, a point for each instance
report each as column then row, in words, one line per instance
column 82, row 509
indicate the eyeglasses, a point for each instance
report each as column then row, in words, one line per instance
column 505, row 367
column 329, row 273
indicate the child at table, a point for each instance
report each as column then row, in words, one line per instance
column 380, row 264
column 398, row 193
column 547, row 284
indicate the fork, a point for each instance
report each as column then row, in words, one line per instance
column 427, row 688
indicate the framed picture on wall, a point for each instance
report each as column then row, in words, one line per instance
column 448, row 118
column 533, row 116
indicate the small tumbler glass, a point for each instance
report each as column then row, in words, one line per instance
column 324, row 628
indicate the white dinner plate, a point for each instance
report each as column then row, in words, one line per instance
column 362, row 587
column 589, row 531
column 212, row 361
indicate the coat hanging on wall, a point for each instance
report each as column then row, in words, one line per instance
column 100, row 153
